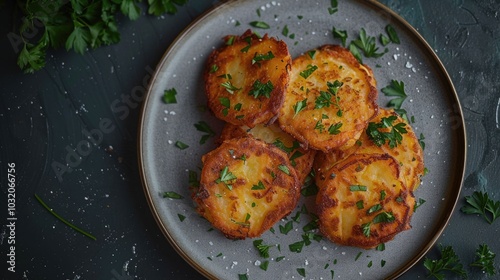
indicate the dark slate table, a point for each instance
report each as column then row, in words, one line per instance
column 47, row 115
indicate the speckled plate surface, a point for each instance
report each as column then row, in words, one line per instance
column 432, row 101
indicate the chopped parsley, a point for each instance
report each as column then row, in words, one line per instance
column 181, row 145
column 259, row 186
column 299, row 106
column 335, row 128
column 226, row 103
column 396, row 89
column 181, row 217
column 340, row 34
column 393, row 36
column 262, row 57
column 169, row 96
column 301, row 272
column 393, row 137
column 226, row 177
column 259, row 89
column 358, row 188
column 262, row 248
column 202, row 126
column 333, row 7
column 229, row 87
column 286, row 228
column 172, row 195
column 260, row 24
column 284, row 169
column 308, row 71
column 418, row 203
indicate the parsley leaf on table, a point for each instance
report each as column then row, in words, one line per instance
column 485, row 260
column 480, row 203
column 76, row 25
column 449, row 262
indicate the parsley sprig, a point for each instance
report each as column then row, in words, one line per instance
column 485, row 260
column 480, row 203
column 449, row 261
column 396, row 89
column 394, row 137
column 226, row 177
column 75, row 25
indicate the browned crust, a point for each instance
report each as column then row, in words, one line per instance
column 230, row 60
column 226, row 208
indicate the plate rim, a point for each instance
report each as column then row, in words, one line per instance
column 446, row 79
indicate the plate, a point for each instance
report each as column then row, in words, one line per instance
column 432, row 103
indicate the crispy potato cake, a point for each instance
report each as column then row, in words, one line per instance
column 246, row 186
column 330, row 99
column 363, row 201
column 301, row 159
column 245, row 80
column 408, row 152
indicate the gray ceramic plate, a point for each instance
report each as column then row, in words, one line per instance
column 432, row 101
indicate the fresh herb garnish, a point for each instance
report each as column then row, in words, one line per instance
column 335, row 128
column 340, row 34
column 181, row 145
column 226, row 103
column 169, row 96
column 229, row 87
column 226, row 177
column 284, row 169
column 333, row 7
column 357, row 188
column 262, row 57
column 285, row 31
column 286, row 228
column 181, row 217
column 324, row 98
column 393, row 36
column 260, row 24
column 242, row 276
column 193, row 179
column 449, row 261
column 393, row 137
column 202, row 126
column 480, row 203
column 249, row 44
column 76, row 25
column 51, row 211
column 384, row 217
column 418, row 203
column 172, row 195
column 296, row 247
column 299, row 106
column 301, row 272
column 259, row 89
column 396, row 89
column 264, row 265
column 374, row 209
column 278, row 143
column 262, row 248
column 360, row 204
column 308, row 71
column 259, row 186
column 368, row 45
column 485, row 260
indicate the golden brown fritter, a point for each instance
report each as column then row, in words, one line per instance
column 300, row 158
column 363, row 201
column 245, row 80
column 408, row 153
column 246, row 186
column 330, row 99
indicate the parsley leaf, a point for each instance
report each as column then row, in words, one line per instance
column 262, row 57
column 376, row 132
column 480, row 203
column 262, row 248
column 159, row 7
column 367, row 45
column 259, row 89
column 169, row 96
column 172, row 194
column 202, row 126
column 396, row 89
column 485, row 260
column 449, row 262
column 226, row 177
column 308, row 71
column 299, row 106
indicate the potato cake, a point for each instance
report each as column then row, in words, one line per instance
column 408, row 151
column 300, row 158
column 246, row 186
column 363, row 201
column 245, row 80
column 330, row 99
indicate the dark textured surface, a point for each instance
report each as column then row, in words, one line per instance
column 45, row 115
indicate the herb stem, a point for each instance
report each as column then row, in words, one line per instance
column 63, row 220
